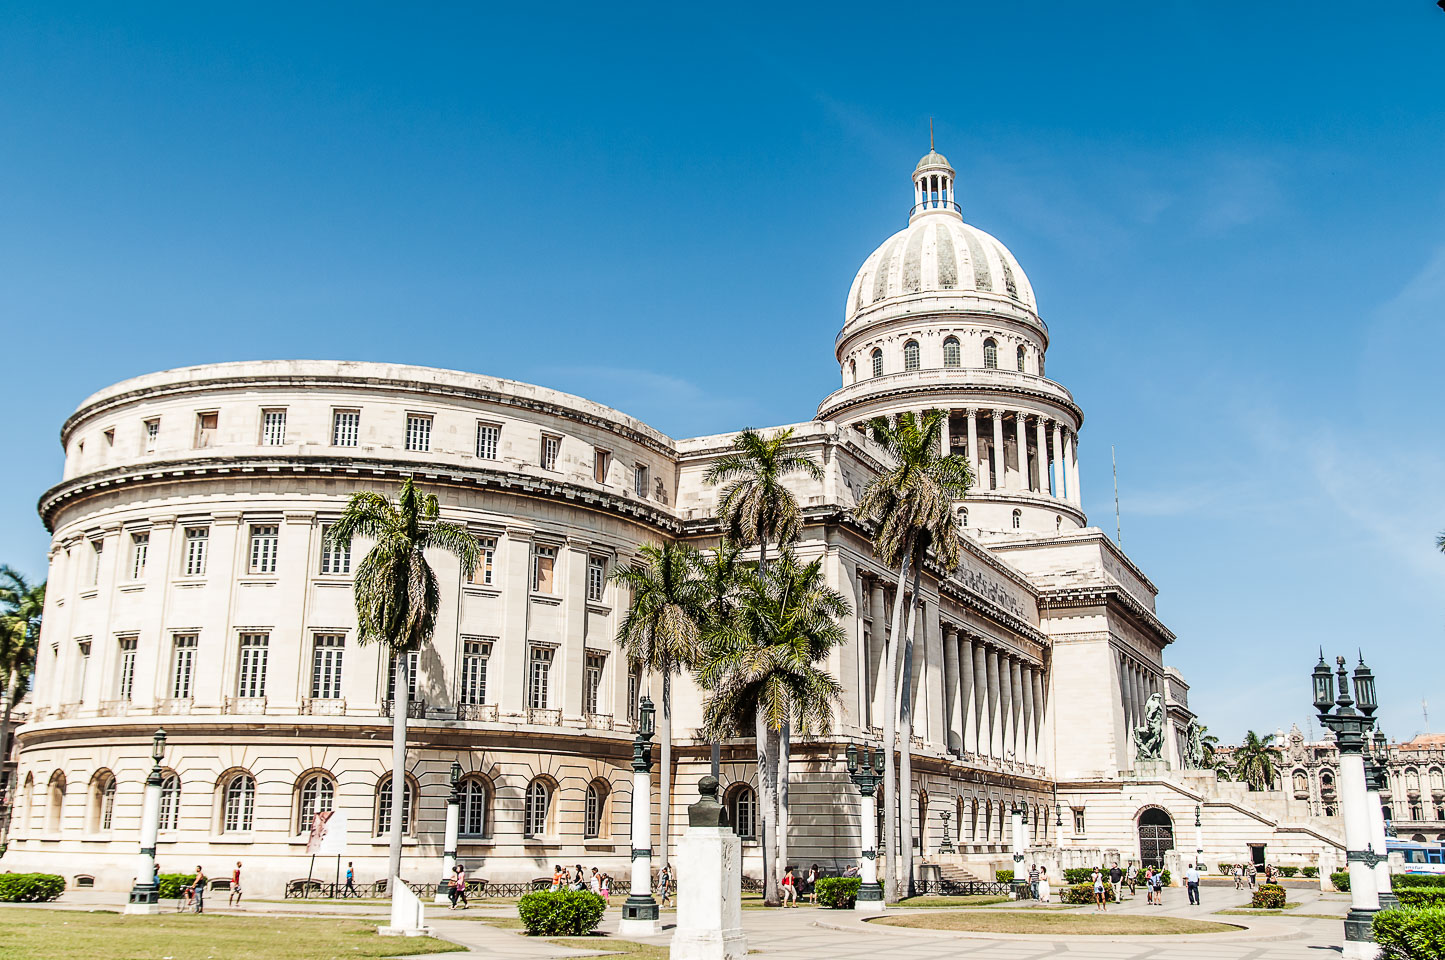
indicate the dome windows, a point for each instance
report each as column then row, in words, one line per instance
column 852, row 371
column 952, row 356
column 877, row 362
column 1022, row 353
column 1018, row 519
column 910, row 355
column 990, row 354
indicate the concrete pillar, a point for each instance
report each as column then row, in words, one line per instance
column 863, row 694
column 953, row 738
column 1006, row 705
column 1058, row 460
column 967, row 730
column 1364, row 896
column 1021, row 432
column 980, row 475
column 1026, row 677
column 944, row 441
column 877, row 635
column 980, row 699
column 1040, row 752
column 1072, row 448
column 995, row 728
column 936, row 731
column 1041, row 461
column 1016, row 702
column 1000, row 458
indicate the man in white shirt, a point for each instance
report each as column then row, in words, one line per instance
column 1191, row 880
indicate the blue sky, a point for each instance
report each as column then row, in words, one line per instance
column 1233, row 216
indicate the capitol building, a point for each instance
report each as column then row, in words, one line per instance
column 191, row 587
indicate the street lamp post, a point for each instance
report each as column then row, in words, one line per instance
column 1351, row 728
column 866, row 776
column 1019, row 816
column 1198, row 837
column 947, row 845
column 145, row 894
column 1375, row 773
column 639, row 912
column 453, row 831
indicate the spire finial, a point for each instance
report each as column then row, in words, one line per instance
column 930, row 134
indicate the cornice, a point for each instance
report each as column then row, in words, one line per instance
column 828, row 411
column 1069, row 598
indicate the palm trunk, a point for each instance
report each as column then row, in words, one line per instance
column 890, row 733
column 7, row 791
column 768, row 803
column 399, row 708
column 664, row 776
column 905, row 734
column 783, row 774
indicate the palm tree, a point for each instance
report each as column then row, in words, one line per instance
column 662, row 632
column 911, row 506
column 763, row 666
column 1440, row 542
column 757, row 509
column 396, row 602
column 720, row 571
column 1255, row 761
column 22, row 606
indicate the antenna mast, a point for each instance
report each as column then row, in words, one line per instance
column 1118, row 526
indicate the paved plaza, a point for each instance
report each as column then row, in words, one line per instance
column 812, row 933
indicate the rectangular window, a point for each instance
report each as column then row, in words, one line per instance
column 206, row 424
column 110, row 437
column 83, row 647
column 263, row 548
column 487, row 436
column 152, row 434
column 140, row 545
column 326, row 654
column 183, row 665
column 639, row 480
column 544, row 563
column 194, row 563
column 634, row 690
column 251, row 680
column 539, row 678
column 596, row 579
column 412, row 661
column 592, row 683
column 97, row 548
column 550, row 446
column 1078, row 821
column 474, row 671
column 345, row 428
column 601, row 463
column 335, row 561
column 125, row 678
column 273, row 428
column 418, row 433
column 482, row 573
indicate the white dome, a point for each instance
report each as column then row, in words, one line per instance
column 938, row 253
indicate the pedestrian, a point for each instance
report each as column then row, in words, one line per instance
column 595, row 884
column 790, row 890
column 1238, row 877
column 559, row 877
column 1132, row 878
column 1149, row 886
column 1098, row 879
column 1158, row 888
column 459, row 887
column 579, row 879
column 199, row 886
column 1116, row 877
column 1191, row 881
column 664, row 880
column 235, row 894
column 1043, row 885
column 350, row 890
column 1250, row 873
column 607, row 889
column 810, row 888
column 1034, row 880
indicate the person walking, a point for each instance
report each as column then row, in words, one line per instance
column 1158, row 888
column 607, row 889
column 558, row 877
column 199, row 886
column 1116, row 877
column 235, row 895
column 1149, row 886
column 663, row 883
column 810, row 885
column 595, row 884
column 1043, row 893
column 1238, row 872
column 1250, row 874
column 1132, row 878
column 790, row 889
column 459, row 887
column 1191, row 881
column 350, row 890
column 1034, row 880
column 1098, row 879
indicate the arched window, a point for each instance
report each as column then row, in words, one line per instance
column 170, row 800
column 952, row 356
column 852, row 371
column 1301, row 782
column 1327, row 783
column 877, row 362
column 538, row 808
column 594, row 814
column 1018, row 518
column 743, row 811
column 973, row 821
column 1412, row 779
column 910, row 355
column 923, row 822
column 475, row 810
column 1022, row 353
column 987, row 821
column 54, row 802
column 315, row 794
column 383, row 807
column 105, row 801
column 963, row 516
column 27, row 802
column 990, row 353
column 238, row 804
column 1437, row 779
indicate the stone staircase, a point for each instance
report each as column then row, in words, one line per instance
column 956, row 874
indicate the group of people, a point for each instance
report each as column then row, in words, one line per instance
column 1247, row 874
column 795, row 888
column 574, row 878
column 193, row 894
column 1039, row 883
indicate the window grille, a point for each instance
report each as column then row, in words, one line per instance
column 273, row 428
column 345, row 428
column 183, row 665
column 418, row 433
column 263, row 548
column 197, row 539
column 487, row 436
column 327, row 652
column 251, row 678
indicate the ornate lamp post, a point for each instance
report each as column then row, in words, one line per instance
column 453, row 831
column 1019, row 816
column 145, row 895
column 1351, row 728
column 947, row 845
column 1375, row 773
column 866, row 776
column 1198, row 837
column 639, row 912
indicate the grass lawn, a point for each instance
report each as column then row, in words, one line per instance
column 39, row 934
column 1013, row 921
column 1253, row 912
column 615, row 947
column 976, row 900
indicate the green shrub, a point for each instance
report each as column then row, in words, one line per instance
column 840, row 893
column 1288, row 871
column 30, row 887
column 1341, row 880
column 173, row 883
column 1411, row 933
column 1226, row 869
column 1139, row 877
column 1421, row 896
column 1417, row 880
column 1311, row 872
column 1003, row 876
column 1079, row 875
column 565, row 913
column 1084, row 893
column 1269, row 896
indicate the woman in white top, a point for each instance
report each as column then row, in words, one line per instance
column 1043, row 885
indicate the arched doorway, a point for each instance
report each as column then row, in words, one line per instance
column 1156, row 836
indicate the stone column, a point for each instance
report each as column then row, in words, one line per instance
column 1021, row 430
column 1016, row 702
column 937, row 698
column 1028, row 700
column 995, row 728
column 944, row 441
column 1058, row 460
column 1006, row 705
column 972, row 416
column 968, row 732
column 953, row 736
column 145, row 893
column 639, row 910
column 870, row 895
column 980, row 699
column 1041, row 439
column 1040, row 745
column 877, row 634
column 1073, row 451
column 1000, row 456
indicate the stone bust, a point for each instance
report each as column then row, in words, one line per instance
column 707, row 812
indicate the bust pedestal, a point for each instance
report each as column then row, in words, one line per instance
column 709, row 901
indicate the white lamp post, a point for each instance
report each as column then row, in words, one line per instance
column 1016, row 814
column 866, row 776
column 449, row 844
column 1198, row 838
column 639, row 911
column 1375, row 782
column 145, row 894
column 1351, row 727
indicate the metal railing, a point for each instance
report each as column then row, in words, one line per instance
column 482, row 712
column 415, row 709
column 544, row 715
column 324, row 707
column 245, row 706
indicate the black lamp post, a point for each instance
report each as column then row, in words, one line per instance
column 866, row 772
column 639, row 911
column 145, row 893
column 1351, row 720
